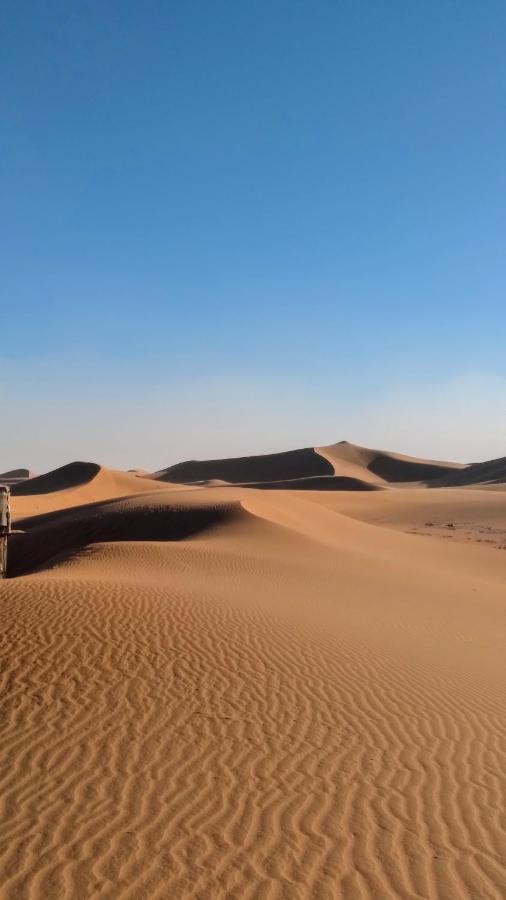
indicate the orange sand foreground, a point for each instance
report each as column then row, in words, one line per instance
column 275, row 677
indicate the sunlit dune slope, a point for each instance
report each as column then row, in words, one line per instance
column 380, row 466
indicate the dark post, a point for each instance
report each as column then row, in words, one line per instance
column 5, row 527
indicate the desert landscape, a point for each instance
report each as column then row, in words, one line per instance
column 275, row 676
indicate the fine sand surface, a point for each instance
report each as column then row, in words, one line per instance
column 218, row 691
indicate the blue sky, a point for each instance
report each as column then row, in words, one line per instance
column 236, row 227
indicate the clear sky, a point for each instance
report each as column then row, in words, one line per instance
column 232, row 227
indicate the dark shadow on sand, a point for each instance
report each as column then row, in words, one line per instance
column 72, row 475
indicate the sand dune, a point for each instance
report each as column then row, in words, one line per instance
column 340, row 461
column 75, row 484
column 42, row 539
column 381, row 466
column 343, row 460
column 218, row 691
column 270, row 467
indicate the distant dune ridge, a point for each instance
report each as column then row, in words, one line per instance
column 271, row 467
column 276, row 676
column 342, row 460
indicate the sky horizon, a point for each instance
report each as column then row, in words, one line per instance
column 242, row 228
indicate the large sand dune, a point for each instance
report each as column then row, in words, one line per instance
column 341, row 460
column 221, row 691
column 75, row 484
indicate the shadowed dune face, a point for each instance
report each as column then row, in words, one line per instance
column 70, row 476
column 395, row 470
column 491, row 472
column 54, row 536
column 248, row 469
